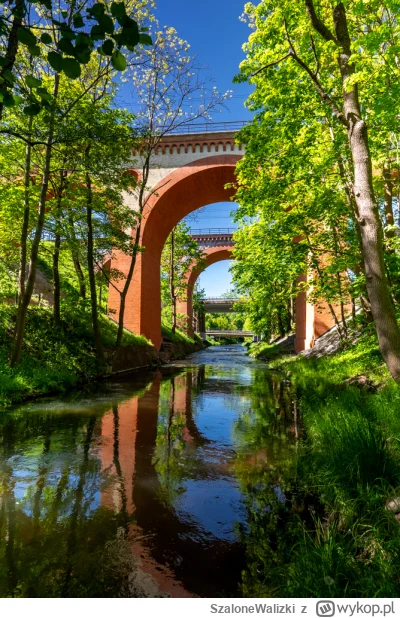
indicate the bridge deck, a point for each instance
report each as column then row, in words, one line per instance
column 229, row 333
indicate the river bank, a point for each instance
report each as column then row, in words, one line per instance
column 134, row 478
column 214, row 476
column 59, row 357
column 337, row 533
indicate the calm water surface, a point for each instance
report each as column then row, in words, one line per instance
column 147, row 486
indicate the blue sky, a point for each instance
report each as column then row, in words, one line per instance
column 216, row 35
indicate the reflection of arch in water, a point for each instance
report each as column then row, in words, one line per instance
column 175, row 540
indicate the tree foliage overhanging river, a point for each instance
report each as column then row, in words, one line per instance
column 157, row 479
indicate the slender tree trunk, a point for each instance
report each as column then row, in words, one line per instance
column 172, row 280
column 367, row 211
column 353, row 311
column 56, row 278
column 351, row 202
column 281, row 327
column 123, row 294
column 56, row 254
column 92, row 278
column 371, row 228
column 26, row 298
column 75, row 257
column 25, row 221
column 388, row 188
column 12, row 44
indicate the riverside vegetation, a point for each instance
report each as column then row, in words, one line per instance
column 338, row 533
column 65, row 164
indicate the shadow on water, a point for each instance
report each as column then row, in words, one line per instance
column 164, row 468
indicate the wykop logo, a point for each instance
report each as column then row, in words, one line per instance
column 325, row 609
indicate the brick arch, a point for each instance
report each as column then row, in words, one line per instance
column 183, row 191
column 212, row 255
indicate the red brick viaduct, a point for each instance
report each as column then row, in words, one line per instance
column 188, row 172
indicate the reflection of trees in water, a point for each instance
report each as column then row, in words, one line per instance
column 175, row 456
column 267, row 436
column 53, row 531
column 72, row 483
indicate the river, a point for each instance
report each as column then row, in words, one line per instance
column 146, row 486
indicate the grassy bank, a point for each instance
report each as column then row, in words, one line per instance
column 178, row 336
column 53, row 358
column 334, row 536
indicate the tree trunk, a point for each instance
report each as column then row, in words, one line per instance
column 172, row 280
column 56, row 255
column 75, row 257
column 142, row 203
column 25, row 221
column 370, row 224
column 281, row 327
column 92, row 278
column 12, row 44
column 25, row 300
column 388, row 188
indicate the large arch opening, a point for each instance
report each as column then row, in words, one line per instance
column 212, row 255
column 183, row 191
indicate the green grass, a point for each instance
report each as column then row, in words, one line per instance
column 263, row 350
column 334, row 536
column 53, row 358
column 179, row 336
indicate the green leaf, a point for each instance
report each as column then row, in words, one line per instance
column 8, row 100
column 46, row 38
column 145, row 39
column 97, row 10
column 8, row 77
column 78, row 21
column 129, row 34
column 83, row 39
column 118, row 61
column 97, row 33
column 43, row 94
column 26, row 37
column 3, row 62
column 55, row 61
column 67, row 32
column 34, row 50
column 71, row 68
column 118, row 10
column 64, row 14
column 33, row 82
column 46, row 3
column 106, row 24
column 108, row 47
column 32, row 110
column 66, row 46
column 82, row 53
column 2, row 93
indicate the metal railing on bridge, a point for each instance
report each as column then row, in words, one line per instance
column 209, row 127
column 229, row 333
column 221, row 299
column 212, row 230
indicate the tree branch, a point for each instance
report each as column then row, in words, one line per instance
column 324, row 95
column 271, row 64
column 318, row 24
